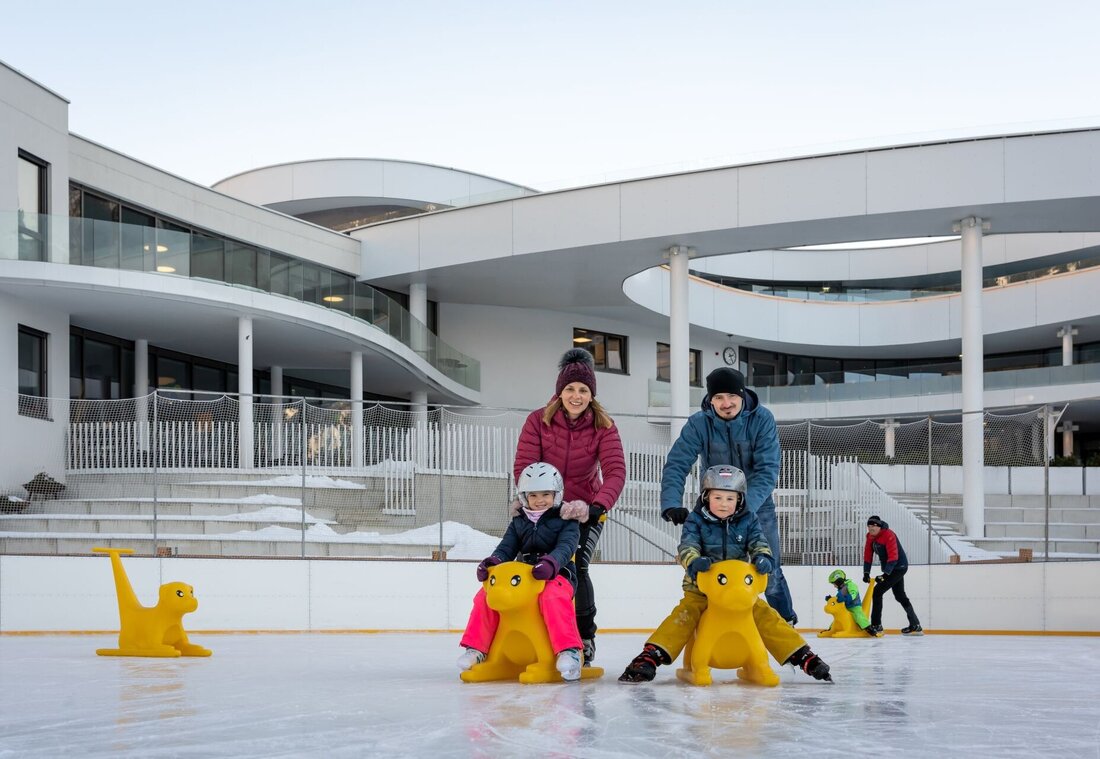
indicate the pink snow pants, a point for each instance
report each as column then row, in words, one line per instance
column 556, row 605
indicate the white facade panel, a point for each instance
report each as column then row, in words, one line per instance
column 566, row 219
column 818, row 188
column 935, row 176
column 147, row 187
column 29, row 445
column 816, row 324
column 389, row 249
column 677, row 205
column 475, row 235
column 1052, row 166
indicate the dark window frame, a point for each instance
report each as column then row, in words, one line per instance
column 36, row 405
column 39, row 234
column 601, row 366
column 697, row 376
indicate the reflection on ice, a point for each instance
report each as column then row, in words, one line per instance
column 399, row 695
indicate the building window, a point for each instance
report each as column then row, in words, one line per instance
column 695, row 364
column 609, row 351
column 32, row 373
column 33, row 196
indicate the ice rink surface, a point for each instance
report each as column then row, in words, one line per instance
column 398, row 695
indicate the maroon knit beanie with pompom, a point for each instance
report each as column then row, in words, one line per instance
column 576, row 365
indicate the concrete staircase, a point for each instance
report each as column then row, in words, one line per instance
column 1013, row 522
column 196, row 515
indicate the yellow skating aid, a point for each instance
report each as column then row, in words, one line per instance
column 155, row 631
column 726, row 637
column 843, row 625
column 521, row 647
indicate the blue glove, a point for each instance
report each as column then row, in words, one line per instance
column 677, row 515
column 545, row 569
column 483, row 568
column 764, row 564
column 701, row 564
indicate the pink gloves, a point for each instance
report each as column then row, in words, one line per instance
column 577, row 510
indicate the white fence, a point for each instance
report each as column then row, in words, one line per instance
column 822, row 501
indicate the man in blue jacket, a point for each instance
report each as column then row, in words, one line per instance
column 732, row 428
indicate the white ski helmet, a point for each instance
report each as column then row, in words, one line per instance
column 725, row 477
column 541, row 477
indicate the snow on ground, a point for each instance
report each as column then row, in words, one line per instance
column 398, row 695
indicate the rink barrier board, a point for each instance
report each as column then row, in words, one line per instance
column 52, row 594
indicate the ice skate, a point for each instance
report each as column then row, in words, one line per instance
column 912, row 630
column 469, row 658
column 569, row 664
column 643, row 668
column 810, row 663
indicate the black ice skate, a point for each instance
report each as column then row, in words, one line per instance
column 644, row 666
column 810, row 663
column 912, row 630
column 588, row 646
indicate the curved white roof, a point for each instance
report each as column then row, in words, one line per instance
column 589, row 240
column 323, row 184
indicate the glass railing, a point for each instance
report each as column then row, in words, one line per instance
column 660, row 395
column 172, row 251
column 900, row 387
column 836, row 293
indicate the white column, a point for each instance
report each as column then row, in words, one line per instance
column 357, row 408
column 421, row 438
column 141, row 389
column 1067, row 429
column 973, row 378
column 678, row 337
column 1067, row 333
column 244, row 387
column 888, row 443
column 418, row 308
column 280, row 419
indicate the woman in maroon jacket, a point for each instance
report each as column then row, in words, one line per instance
column 577, row 436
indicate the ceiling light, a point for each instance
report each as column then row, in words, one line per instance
column 333, row 299
column 164, row 269
column 865, row 244
column 582, row 340
column 160, row 248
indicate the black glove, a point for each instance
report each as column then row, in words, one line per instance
column 828, row 598
column 595, row 511
column 701, row 564
column 882, row 578
column 677, row 515
column 867, row 577
column 483, row 568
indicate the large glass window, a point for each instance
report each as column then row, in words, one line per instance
column 695, row 363
column 240, row 264
column 138, row 238
column 207, row 257
column 102, row 372
column 101, row 233
column 33, row 197
column 608, row 350
column 173, row 249
column 32, row 373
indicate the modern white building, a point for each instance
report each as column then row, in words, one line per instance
column 360, row 279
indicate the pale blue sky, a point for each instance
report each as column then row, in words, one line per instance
column 550, row 93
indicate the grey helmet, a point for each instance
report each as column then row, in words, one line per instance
column 540, row 477
column 725, row 477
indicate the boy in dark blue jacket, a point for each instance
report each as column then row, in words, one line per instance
column 721, row 527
